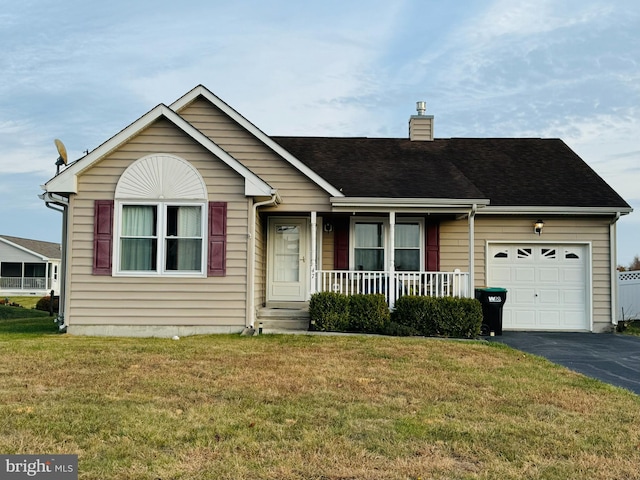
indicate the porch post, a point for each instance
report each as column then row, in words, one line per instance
column 392, row 259
column 314, row 253
column 472, row 240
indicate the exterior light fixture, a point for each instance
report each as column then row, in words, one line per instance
column 537, row 227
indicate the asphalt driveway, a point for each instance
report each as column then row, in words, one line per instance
column 612, row 358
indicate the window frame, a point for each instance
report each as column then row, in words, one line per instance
column 386, row 229
column 161, row 238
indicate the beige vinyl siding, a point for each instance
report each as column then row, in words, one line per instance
column 328, row 251
column 454, row 248
column 261, row 262
column 298, row 193
column 106, row 300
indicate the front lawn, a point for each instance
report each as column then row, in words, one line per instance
column 308, row 407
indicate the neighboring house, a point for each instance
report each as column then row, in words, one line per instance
column 192, row 220
column 28, row 267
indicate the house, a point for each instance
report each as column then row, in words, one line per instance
column 192, row 220
column 28, row 267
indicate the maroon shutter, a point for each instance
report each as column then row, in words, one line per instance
column 102, row 237
column 217, row 261
column 341, row 244
column 432, row 254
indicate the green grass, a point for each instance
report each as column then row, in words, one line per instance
column 28, row 302
column 308, row 407
column 632, row 328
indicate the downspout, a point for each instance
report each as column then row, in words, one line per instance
column 472, row 241
column 53, row 203
column 613, row 247
column 251, row 310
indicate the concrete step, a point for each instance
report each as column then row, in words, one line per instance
column 283, row 318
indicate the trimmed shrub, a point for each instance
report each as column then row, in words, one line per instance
column 416, row 313
column 368, row 313
column 395, row 329
column 412, row 315
column 440, row 316
column 329, row 311
column 44, row 304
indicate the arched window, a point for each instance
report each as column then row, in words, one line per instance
column 160, row 219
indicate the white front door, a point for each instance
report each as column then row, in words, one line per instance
column 547, row 285
column 287, row 271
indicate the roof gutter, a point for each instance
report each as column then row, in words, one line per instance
column 251, row 287
column 557, row 210
column 60, row 204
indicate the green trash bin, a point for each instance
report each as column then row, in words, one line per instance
column 492, row 300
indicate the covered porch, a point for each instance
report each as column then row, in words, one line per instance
column 26, row 278
column 395, row 236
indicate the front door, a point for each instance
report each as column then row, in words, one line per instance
column 287, row 272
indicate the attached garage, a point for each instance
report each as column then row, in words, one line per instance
column 548, row 285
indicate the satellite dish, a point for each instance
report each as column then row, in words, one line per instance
column 62, row 152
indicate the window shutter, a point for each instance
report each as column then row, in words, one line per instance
column 102, row 237
column 217, row 260
column 341, row 243
column 432, row 253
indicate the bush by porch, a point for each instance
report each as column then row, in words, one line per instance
column 412, row 315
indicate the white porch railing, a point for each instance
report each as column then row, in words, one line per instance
column 24, row 283
column 436, row 284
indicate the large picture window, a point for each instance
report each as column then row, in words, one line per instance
column 161, row 238
column 370, row 251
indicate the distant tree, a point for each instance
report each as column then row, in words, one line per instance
column 635, row 265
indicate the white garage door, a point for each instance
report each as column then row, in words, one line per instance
column 546, row 285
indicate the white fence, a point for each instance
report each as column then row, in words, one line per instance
column 629, row 295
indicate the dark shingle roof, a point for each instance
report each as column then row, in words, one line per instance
column 507, row 171
column 47, row 249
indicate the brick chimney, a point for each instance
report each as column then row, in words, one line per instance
column 421, row 125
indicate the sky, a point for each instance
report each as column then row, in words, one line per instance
column 81, row 71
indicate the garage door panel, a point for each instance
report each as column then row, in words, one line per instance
column 572, row 274
column 548, row 296
column 548, row 318
column 521, row 296
column 502, row 274
column 524, row 274
column 523, row 318
column 572, row 320
column 574, row 297
column 546, row 285
column 549, row 274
